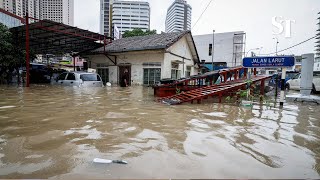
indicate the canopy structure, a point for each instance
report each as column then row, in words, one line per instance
column 49, row 37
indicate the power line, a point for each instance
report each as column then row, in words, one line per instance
column 294, row 45
column 202, row 14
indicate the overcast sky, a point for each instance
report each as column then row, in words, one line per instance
column 252, row 16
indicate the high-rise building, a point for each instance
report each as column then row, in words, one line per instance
column 317, row 59
column 7, row 5
column 105, row 16
column 318, row 37
column 56, row 10
column 129, row 15
column 178, row 16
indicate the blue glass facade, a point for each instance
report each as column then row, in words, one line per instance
column 9, row 21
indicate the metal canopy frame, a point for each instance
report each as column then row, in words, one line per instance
column 49, row 37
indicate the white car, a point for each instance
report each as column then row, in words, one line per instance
column 80, row 79
column 294, row 83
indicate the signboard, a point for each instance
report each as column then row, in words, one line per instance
column 269, row 62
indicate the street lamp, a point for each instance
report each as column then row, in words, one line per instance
column 212, row 47
column 252, row 50
column 276, row 44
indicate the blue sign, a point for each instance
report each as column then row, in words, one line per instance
column 266, row 62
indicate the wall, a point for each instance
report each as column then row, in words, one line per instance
column 180, row 48
column 223, row 48
column 136, row 59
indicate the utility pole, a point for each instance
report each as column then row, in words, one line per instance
column 212, row 54
column 276, row 45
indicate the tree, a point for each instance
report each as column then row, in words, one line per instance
column 12, row 56
column 138, row 32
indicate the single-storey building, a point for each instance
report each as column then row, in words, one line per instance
column 147, row 58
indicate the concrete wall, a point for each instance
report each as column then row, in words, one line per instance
column 223, row 48
column 136, row 60
column 180, row 48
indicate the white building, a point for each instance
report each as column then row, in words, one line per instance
column 56, row 10
column 147, row 58
column 228, row 49
column 128, row 15
column 6, row 5
column 317, row 59
column 178, row 16
column 59, row 11
column 105, row 16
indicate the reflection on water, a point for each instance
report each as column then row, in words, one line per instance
column 50, row 132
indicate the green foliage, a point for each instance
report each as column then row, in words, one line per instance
column 11, row 55
column 178, row 91
column 138, row 32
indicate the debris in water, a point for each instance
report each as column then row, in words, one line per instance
column 107, row 161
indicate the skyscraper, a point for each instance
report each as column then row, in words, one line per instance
column 318, row 38
column 178, row 16
column 128, row 15
column 105, row 16
column 56, row 10
column 7, row 5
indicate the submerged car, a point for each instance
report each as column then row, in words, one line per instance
column 289, row 75
column 294, row 83
column 80, row 79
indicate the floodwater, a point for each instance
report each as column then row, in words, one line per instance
column 56, row 132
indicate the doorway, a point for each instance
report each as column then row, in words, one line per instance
column 104, row 74
column 122, row 70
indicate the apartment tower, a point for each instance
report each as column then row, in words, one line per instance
column 129, row 15
column 178, row 16
column 61, row 11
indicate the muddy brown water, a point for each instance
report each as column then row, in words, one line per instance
column 56, row 132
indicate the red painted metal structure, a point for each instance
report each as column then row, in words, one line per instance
column 49, row 37
column 198, row 81
column 213, row 90
column 27, row 51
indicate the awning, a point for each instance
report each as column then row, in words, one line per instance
column 49, row 37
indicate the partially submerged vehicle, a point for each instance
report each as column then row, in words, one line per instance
column 80, row 79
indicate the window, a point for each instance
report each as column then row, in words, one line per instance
column 151, row 76
column 151, row 64
column 62, row 76
column 71, row 77
column 90, row 77
column 175, row 72
column 188, row 71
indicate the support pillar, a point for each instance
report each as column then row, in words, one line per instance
column 245, row 73
column 262, row 86
column 283, row 77
column 74, row 63
column 27, row 51
column 224, row 77
column 220, row 97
